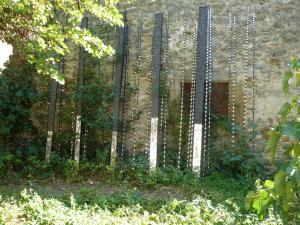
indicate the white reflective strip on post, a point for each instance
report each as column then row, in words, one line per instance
column 153, row 143
column 48, row 146
column 196, row 163
column 77, row 139
column 113, row 151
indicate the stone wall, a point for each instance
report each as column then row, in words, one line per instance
column 277, row 39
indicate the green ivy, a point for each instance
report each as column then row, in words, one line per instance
column 240, row 159
column 17, row 95
column 22, row 142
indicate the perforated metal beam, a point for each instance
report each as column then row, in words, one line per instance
column 51, row 117
column 156, row 70
column 200, row 88
column 120, row 64
column 81, row 70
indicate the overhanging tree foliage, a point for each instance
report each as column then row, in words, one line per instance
column 42, row 31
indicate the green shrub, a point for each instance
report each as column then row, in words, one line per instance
column 283, row 193
column 240, row 159
column 71, row 171
column 91, row 208
column 17, row 95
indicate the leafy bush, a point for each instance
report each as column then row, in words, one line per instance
column 17, row 95
column 239, row 160
column 32, row 208
column 72, row 171
column 283, row 192
column 14, row 166
column 22, row 134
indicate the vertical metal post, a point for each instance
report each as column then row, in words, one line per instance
column 51, row 117
column 120, row 60
column 81, row 71
column 253, row 37
column 61, row 104
column 157, row 49
column 200, row 88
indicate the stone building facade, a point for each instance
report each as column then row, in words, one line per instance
column 276, row 41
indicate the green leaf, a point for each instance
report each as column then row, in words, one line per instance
column 269, row 184
column 284, row 111
column 297, row 75
column 257, row 205
column 261, row 203
column 286, row 81
column 288, row 197
column 249, row 199
column 296, row 150
column 272, row 143
column 292, row 129
column 294, row 63
column 279, row 183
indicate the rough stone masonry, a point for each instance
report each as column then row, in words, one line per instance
column 277, row 40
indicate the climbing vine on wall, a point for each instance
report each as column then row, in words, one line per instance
column 17, row 95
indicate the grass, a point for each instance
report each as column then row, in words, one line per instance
column 159, row 198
